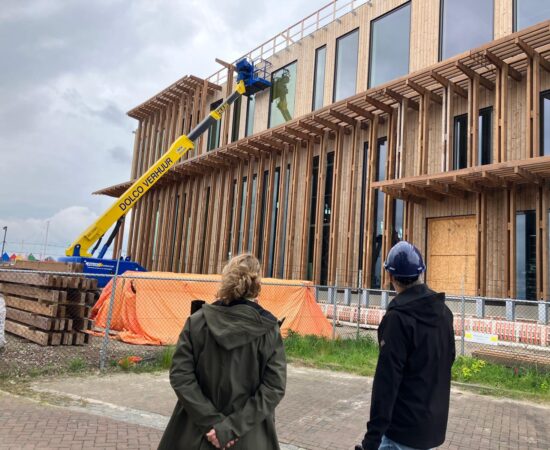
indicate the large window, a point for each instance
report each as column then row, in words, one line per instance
column 282, row 244
column 345, row 69
column 390, row 38
column 252, row 212
column 484, row 143
column 530, row 12
column 274, row 216
column 260, row 241
column 398, row 215
column 319, row 77
column 364, row 191
column 214, row 130
column 283, row 95
column 485, row 140
column 241, row 219
column 465, row 24
column 526, row 255
column 312, row 217
column 545, row 124
column 250, row 107
column 327, row 214
column 236, row 120
column 378, row 232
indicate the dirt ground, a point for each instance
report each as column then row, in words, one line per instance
column 24, row 358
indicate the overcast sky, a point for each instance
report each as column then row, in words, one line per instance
column 70, row 72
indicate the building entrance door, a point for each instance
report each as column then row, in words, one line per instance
column 451, row 254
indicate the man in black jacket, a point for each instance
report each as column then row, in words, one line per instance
column 410, row 395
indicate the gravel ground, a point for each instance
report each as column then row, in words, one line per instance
column 21, row 357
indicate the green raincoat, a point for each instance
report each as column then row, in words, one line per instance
column 229, row 373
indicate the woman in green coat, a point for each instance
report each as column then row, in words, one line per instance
column 229, row 370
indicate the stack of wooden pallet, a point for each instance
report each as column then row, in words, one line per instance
column 48, row 308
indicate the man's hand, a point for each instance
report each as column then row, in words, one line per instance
column 213, row 439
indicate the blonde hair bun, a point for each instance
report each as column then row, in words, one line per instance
column 240, row 278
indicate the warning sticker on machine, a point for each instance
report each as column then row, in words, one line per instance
column 481, row 338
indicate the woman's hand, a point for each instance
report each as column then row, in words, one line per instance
column 213, row 439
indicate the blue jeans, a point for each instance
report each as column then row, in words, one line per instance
column 388, row 444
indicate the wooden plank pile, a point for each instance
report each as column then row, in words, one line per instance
column 48, row 308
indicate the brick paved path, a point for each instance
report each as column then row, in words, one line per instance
column 322, row 410
column 25, row 424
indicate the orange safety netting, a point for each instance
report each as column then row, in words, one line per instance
column 150, row 310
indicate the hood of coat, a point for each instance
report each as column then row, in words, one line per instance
column 237, row 325
column 421, row 303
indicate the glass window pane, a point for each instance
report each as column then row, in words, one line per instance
column 282, row 244
column 252, row 212
column 283, row 94
column 526, row 255
column 214, row 130
column 485, row 143
column 364, row 175
column 260, row 242
column 319, row 78
column 530, row 12
column 376, row 271
column 345, row 72
column 241, row 219
column 312, row 218
column 251, row 106
column 545, row 124
column 382, row 153
column 274, row 216
column 460, row 147
column 390, row 46
column 327, row 213
column 236, row 120
column 465, row 24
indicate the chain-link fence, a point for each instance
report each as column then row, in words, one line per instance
column 52, row 316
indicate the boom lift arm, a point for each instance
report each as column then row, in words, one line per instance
column 248, row 83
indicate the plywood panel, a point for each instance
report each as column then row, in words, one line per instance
column 451, row 254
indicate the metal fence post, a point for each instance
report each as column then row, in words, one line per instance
column 480, row 308
column 332, row 296
column 543, row 313
column 105, row 344
column 384, row 299
column 365, row 298
column 359, row 312
column 510, row 310
column 347, row 296
column 463, row 314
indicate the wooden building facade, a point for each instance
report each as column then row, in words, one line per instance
column 397, row 120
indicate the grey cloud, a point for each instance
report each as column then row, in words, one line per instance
column 120, row 154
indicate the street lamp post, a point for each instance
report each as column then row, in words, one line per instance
column 4, row 241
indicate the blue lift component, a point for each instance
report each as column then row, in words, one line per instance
column 254, row 77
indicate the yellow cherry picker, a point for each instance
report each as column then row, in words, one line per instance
column 250, row 80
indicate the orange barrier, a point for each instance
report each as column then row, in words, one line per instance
column 150, row 310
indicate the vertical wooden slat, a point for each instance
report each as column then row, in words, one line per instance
column 248, row 206
column 481, row 243
column 259, row 194
column 237, row 212
column 545, row 242
column 539, row 213
column 333, row 277
column 226, row 246
column 207, row 241
column 369, row 219
column 218, row 242
column 280, row 215
column 292, row 210
column 307, row 209
column 319, row 209
column 352, row 194
column 473, row 121
column 269, row 205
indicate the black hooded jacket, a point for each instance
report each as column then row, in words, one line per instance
column 410, row 395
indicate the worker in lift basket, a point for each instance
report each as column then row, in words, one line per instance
column 229, row 370
column 412, row 383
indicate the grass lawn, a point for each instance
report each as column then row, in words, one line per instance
column 360, row 356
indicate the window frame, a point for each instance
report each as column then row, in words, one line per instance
column 440, row 46
column 335, row 78
column 315, row 68
column 409, row 3
column 269, row 126
column 542, row 95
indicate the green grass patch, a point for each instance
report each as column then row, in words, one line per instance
column 360, row 357
column 350, row 355
column 76, row 365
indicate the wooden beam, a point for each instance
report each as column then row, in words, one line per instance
column 445, row 189
column 378, row 104
column 362, row 112
column 283, row 137
column 327, row 123
column 273, row 143
column 311, row 128
column 498, row 62
column 342, row 117
column 424, row 91
column 399, row 98
column 496, row 181
column 470, row 73
column 422, row 193
column 261, row 147
column 466, row 185
column 300, row 134
column 527, row 175
column 448, row 83
column 531, row 53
